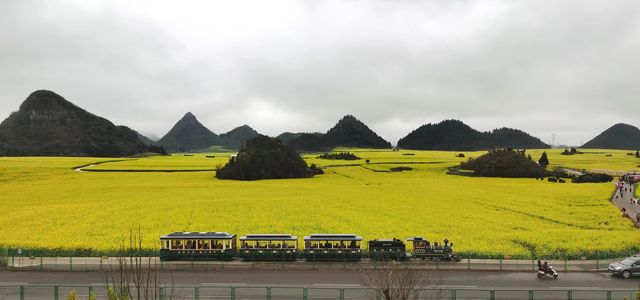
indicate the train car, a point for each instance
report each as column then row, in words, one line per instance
column 423, row 249
column 332, row 247
column 198, row 246
column 382, row 250
column 278, row 247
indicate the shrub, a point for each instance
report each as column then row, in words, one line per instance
column 339, row 155
column 400, row 169
column 592, row 177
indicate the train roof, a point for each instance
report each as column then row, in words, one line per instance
column 265, row 237
column 385, row 240
column 198, row 235
column 332, row 237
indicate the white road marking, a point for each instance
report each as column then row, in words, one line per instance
column 337, row 285
column 574, row 288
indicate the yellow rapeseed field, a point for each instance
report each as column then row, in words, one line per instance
column 48, row 206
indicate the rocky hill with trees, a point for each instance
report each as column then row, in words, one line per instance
column 48, row 125
column 619, row 136
column 505, row 163
column 454, row 135
column 264, row 157
column 188, row 134
column 348, row 132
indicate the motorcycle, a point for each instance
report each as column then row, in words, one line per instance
column 549, row 271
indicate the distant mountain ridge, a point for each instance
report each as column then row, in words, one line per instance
column 48, row 125
column 348, row 132
column 189, row 134
column 619, row 136
column 454, row 135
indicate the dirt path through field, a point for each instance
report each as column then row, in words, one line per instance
column 622, row 199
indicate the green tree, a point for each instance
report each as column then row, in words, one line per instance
column 543, row 161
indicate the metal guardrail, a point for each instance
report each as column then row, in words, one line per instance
column 198, row 292
column 104, row 263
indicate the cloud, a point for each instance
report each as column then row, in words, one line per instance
column 568, row 68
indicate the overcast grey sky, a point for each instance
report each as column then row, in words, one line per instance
column 566, row 67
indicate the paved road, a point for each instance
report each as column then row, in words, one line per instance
column 326, row 284
column 622, row 200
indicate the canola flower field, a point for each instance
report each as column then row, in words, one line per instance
column 48, row 208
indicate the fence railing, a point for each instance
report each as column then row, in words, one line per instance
column 104, row 263
column 99, row 292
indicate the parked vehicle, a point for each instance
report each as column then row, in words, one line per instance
column 626, row 268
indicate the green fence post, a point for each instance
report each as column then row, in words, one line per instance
column 41, row 264
column 468, row 264
column 341, row 294
column 268, row 293
column 453, row 294
column 569, row 295
column 197, row 291
column 530, row 294
column 501, row 264
column 608, row 295
column 233, row 293
column 70, row 263
column 55, row 292
column 90, row 291
column 565, row 265
column 161, row 293
column 597, row 264
column 492, row 295
column 13, row 261
column 305, row 294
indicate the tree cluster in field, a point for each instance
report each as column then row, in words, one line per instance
column 400, row 169
column 454, row 135
column 348, row 132
column 339, row 155
column 159, row 149
column 264, row 157
column 505, row 163
column 592, row 177
column 571, row 151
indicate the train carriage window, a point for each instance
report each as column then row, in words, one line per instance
column 290, row 244
column 204, row 245
column 177, row 245
column 233, row 243
column 215, row 244
column 165, row 244
column 274, row 244
column 191, row 245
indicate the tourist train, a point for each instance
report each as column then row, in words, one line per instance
column 284, row 247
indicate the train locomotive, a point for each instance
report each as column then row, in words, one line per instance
column 284, row 247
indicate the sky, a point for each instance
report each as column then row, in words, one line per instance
column 563, row 69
